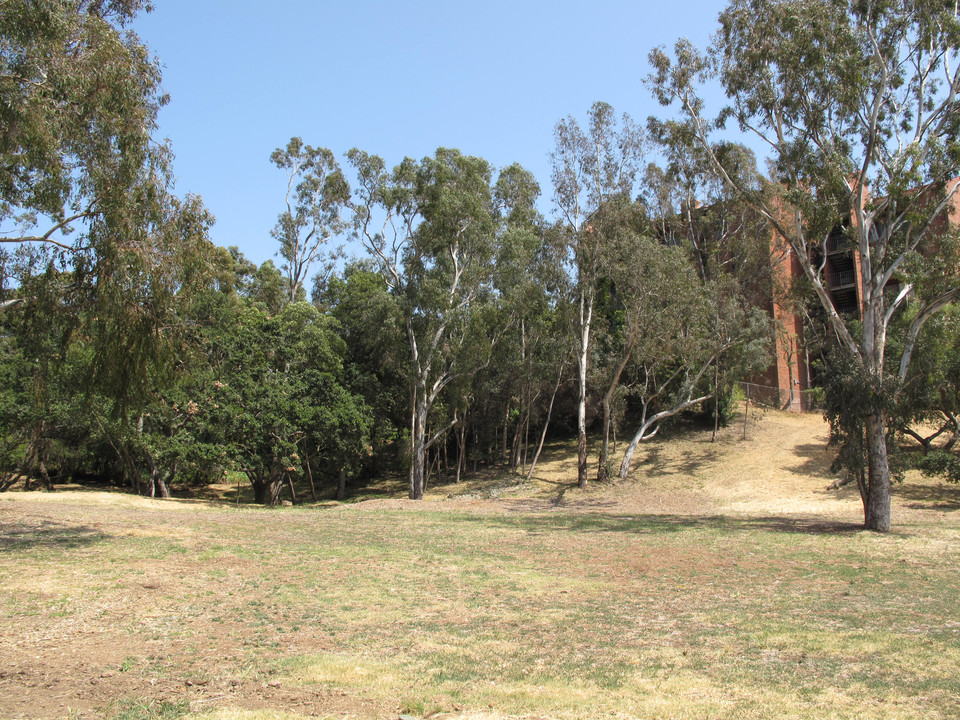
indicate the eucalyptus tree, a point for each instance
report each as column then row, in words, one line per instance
column 690, row 204
column 316, row 195
column 524, row 280
column 590, row 168
column 78, row 100
column 101, row 245
column 672, row 320
column 856, row 103
column 640, row 275
column 685, row 332
column 83, row 187
column 433, row 228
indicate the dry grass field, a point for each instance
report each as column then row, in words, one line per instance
column 722, row 580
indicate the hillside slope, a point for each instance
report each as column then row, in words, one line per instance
column 777, row 464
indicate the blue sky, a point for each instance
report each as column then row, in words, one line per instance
column 395, row 79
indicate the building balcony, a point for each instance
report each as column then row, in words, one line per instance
column 841, row 280
column 836, row 243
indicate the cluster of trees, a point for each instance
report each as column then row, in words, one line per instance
column 133, row 349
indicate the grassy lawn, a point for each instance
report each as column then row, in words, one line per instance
column 125, row 608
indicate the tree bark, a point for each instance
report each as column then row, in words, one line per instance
column 309, row 473
column 582, row 419
column 163, row 489
column 515, row 443
column 645, row 432
column 461, row 450
column 602, row 469
column 546, row 424
column 293, row 492
column 418, row 461
column 876, row 509
column 266, row 490
column 158, row 486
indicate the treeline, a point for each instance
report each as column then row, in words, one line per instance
column 453, row 342
column 467, row 323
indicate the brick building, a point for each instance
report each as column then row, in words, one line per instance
column 790, row 374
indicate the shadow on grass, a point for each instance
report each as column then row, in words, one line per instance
column 655, row 463
column 665, row 524
column 929, row 497
column 17, row 536
column 815, row 461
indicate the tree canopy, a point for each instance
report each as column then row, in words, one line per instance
column 135, row 351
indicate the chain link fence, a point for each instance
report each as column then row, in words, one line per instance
column 774, row 397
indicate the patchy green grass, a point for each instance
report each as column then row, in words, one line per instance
column 155, row 611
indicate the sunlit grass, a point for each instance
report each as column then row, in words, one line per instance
column 548, row 615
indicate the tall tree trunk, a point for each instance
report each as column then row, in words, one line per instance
column 716, row 402
column 461, row 449
column 876, row 510
column 309, row 473
column 418, row 461
column 504, row 457
column 526, row 443
column 342, row 485
column 586, row 315
column 582, row 425
column 603, row 459
column 476, row 447
column 546, row 424
column 515, row 444
column 445, row 465
column 293, row 492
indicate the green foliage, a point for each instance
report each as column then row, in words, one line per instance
column 152, row 710
column 940, row 463
column 276, row 397
column 105, row 255
column 858, row 102
column 444, row 221
column 850, row 396
column 316, row 194
column 369, row 323
column 78, row 101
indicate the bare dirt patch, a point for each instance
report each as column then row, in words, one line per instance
column 109, row 599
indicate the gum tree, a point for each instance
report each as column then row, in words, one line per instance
column 432, row 229
column 856, row 103
column 100, row 245
column 316, row 195
column 590, row 168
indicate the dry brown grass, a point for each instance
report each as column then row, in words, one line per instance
column 780, row 467
column 721, row 580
